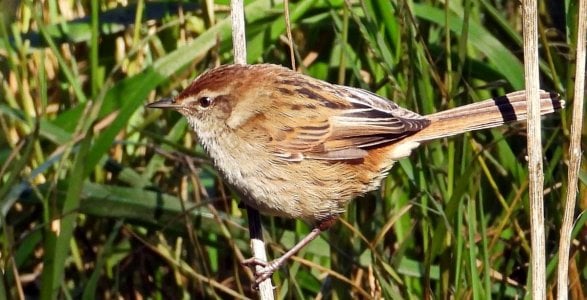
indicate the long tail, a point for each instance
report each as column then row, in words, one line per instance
column 485, row 114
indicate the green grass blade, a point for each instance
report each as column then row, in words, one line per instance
column 57, row 243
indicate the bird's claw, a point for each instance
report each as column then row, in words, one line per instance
column 253, row 262
column 261, row 274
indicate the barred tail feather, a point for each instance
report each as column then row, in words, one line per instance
column 485, row 114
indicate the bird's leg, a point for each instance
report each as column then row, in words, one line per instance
column 270, row 267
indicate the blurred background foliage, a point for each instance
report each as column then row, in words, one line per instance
column 100, row 198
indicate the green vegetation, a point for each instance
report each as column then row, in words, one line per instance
column 100, row 198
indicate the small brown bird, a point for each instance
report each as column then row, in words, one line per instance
column 299, row 147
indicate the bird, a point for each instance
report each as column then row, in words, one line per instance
column 298, row 147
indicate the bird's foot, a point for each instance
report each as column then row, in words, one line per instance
column 264, row 272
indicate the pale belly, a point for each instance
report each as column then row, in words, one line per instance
column 297, row 190
column 312, row 190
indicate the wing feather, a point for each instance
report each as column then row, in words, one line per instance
column 317, row 126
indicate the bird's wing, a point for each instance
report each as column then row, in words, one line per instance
column 340, row 128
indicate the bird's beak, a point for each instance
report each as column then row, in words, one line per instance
column 165, row 103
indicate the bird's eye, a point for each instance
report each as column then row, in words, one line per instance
column 205, row 101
